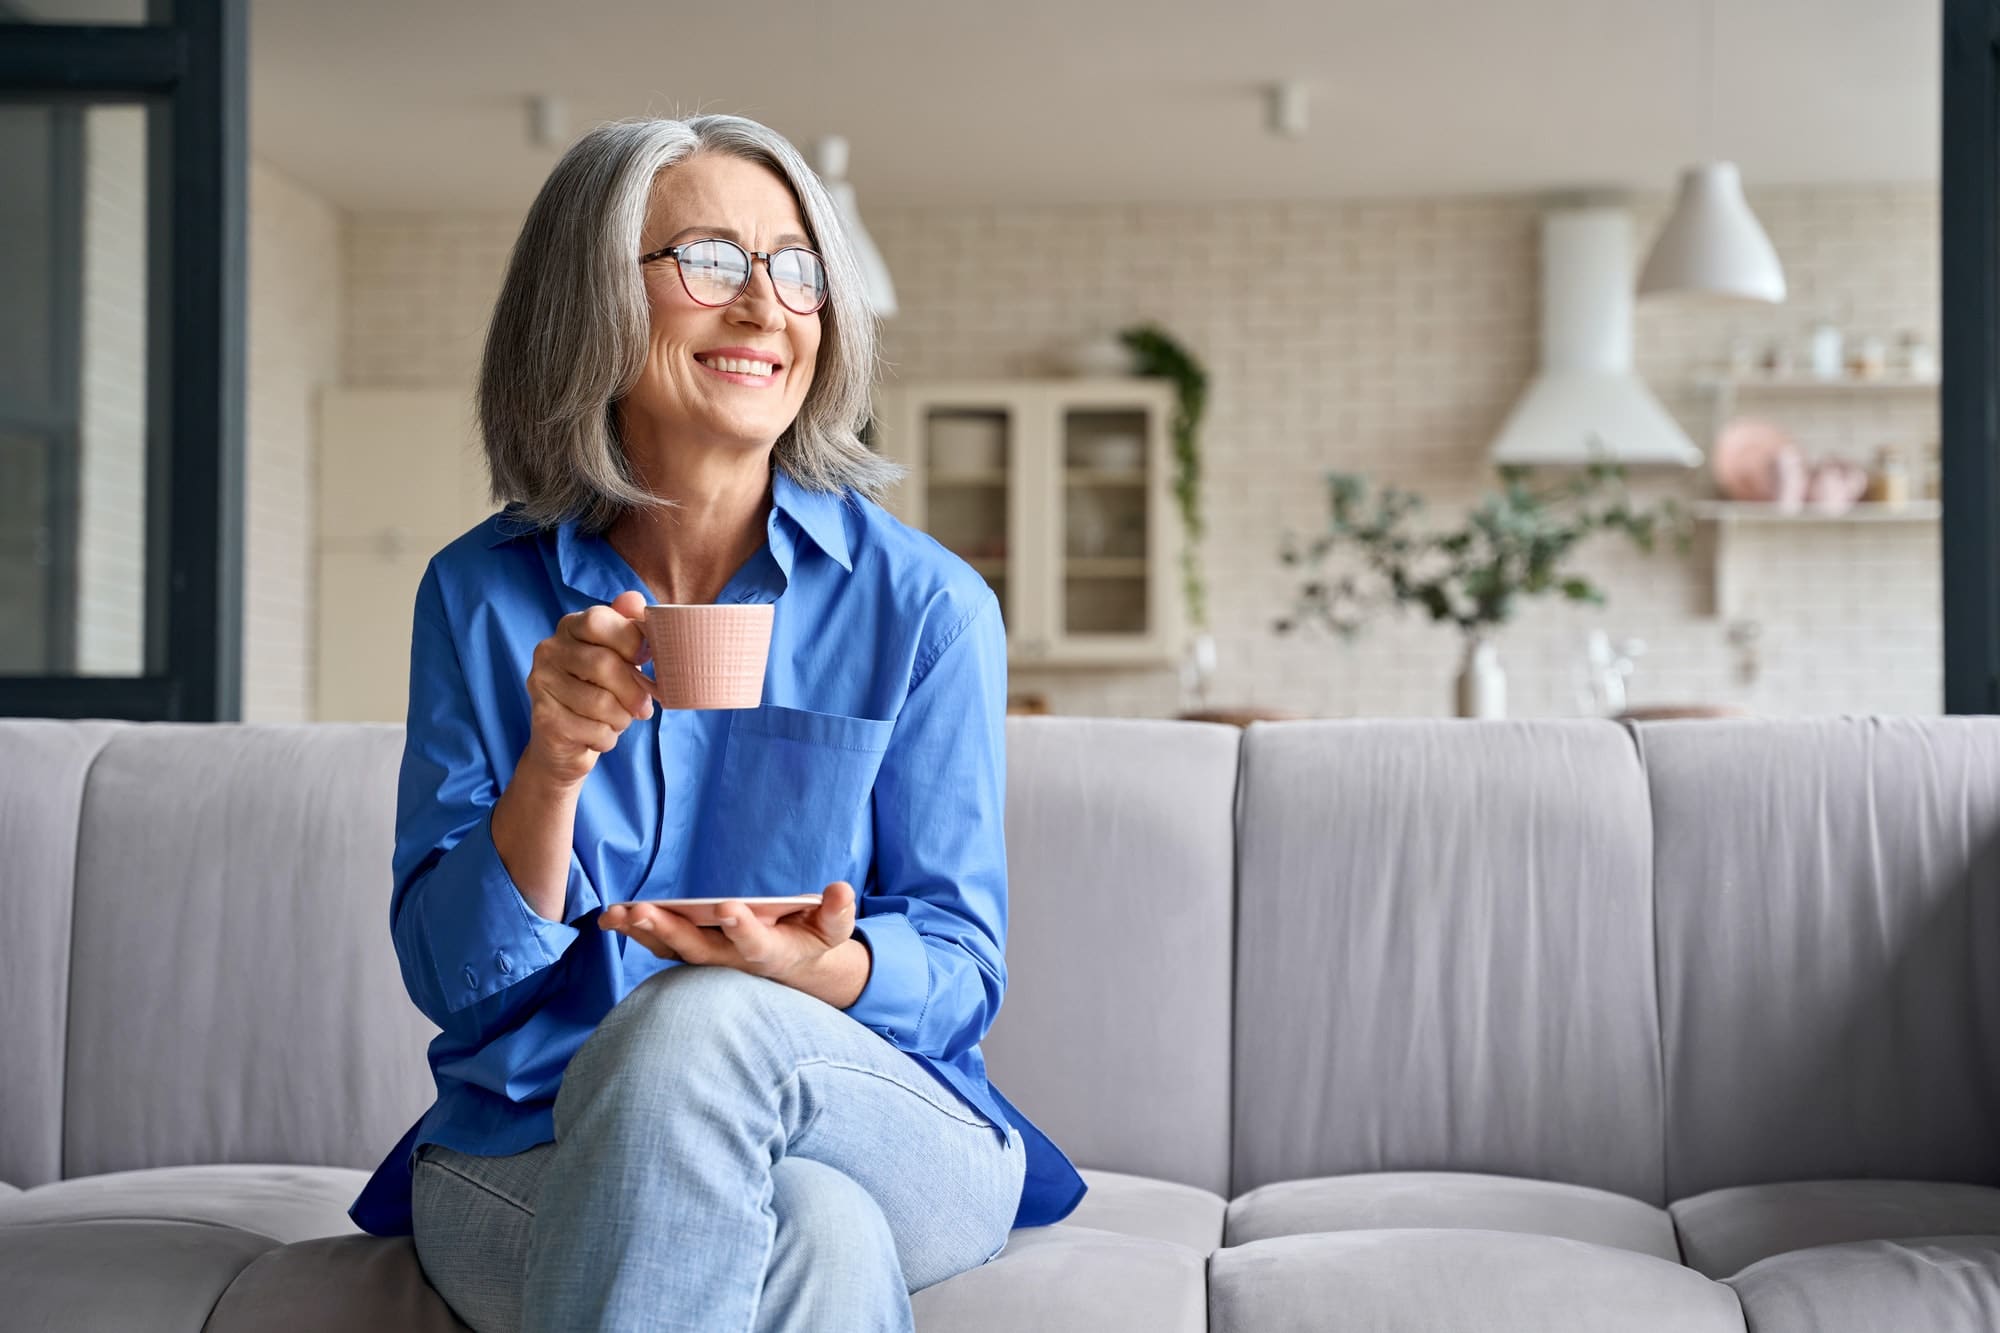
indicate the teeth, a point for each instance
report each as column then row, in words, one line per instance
column 736, row 365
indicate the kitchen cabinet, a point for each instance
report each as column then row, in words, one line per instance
column 1059, row 493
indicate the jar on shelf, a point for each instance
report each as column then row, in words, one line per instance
column 1825, row 347
column 1890, row 484
column 1869, row 359
column 1915, row 357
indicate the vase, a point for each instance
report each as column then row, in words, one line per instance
column 1197, row 670
column 1482, row 685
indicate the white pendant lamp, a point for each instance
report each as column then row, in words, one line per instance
column 1712, row 244
column 830, row 161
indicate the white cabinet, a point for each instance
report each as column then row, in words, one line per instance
column 1060, row 493
column 400, row 477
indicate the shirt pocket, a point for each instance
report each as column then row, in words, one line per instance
column 790, row 810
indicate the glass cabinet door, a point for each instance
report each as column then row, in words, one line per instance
column 968, row 456
column 1105, row 558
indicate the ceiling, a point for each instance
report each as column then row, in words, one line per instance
column 421, row 104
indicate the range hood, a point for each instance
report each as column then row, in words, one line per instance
column 1585, row 404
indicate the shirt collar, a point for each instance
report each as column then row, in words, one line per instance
column 588, row 563
column 819, row 514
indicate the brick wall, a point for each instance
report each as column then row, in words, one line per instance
column 1387, row 337
column 297, row 295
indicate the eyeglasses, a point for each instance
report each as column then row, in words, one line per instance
column 716, row 272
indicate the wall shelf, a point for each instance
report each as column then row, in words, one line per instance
column 1729, row 516
column 1739, row 511
column 1809, row 384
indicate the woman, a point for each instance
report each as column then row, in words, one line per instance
column 641, row 1123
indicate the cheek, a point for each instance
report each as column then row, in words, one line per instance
column 805, row 354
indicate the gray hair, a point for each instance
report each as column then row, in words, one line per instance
column 570, row 330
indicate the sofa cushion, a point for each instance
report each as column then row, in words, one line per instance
column 1450, row 1281
column 1923, row 1283
column 1072, row 1279
column 43, row 766
column 1161, row 1209
column 163, row 1277
column 235, row 994
column 280, row 1203
column 1121, row 846
column 1445, row 938
column 1725, row 1231
column 335, row 1285
column 1829, row 906
column 1451, row 1200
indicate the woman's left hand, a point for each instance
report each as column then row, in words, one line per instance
column 801, row 950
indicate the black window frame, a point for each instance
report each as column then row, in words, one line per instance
column 1969, row 396
column 187, row 66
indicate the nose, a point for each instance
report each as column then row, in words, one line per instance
column 759, row 306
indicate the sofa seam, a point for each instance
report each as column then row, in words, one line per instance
column 69, row 960
column 1659, row 991
column 1238, row 787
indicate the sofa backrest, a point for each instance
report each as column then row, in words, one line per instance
column 234, row 997
column 1115, row 1034
column 1656, row 961
column 1829, row 922
column 43, row 766
column 1445, row 954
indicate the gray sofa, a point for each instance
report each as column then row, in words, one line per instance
column 1385, row 1025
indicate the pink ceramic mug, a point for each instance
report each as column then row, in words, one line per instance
column 711, row 655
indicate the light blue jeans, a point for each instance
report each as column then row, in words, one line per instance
column 731, row 1154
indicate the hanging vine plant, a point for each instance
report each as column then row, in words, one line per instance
column 1156, row 353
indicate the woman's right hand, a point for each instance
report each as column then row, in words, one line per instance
column 585, row 688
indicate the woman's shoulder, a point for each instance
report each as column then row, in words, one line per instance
column 498, row 551
column 920, row 574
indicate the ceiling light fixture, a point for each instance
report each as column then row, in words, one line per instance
column 1712, row 244
column 830, row 161
column 548, row 121
column 1287, row 105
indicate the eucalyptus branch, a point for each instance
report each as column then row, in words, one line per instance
column 1514, row 543
column 1158, row 354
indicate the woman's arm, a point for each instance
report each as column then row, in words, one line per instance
column 534, row 831
column 464, row 930
column 935, row 922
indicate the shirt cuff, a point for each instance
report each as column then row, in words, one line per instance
column 491, row 937
column 899, row 978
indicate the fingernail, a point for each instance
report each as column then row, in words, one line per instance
column 725, row 921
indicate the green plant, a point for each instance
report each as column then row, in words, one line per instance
column 1513, row 544
column 1156, row 353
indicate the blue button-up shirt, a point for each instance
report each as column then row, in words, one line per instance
column 877, row 757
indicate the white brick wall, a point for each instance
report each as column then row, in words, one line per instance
column 297, row 300
column 1387, row 337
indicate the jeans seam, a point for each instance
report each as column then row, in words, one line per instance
column 962, row 1118
column 478, row 1184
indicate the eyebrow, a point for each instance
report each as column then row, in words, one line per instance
column 731, row 234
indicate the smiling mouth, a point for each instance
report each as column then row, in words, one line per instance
column 738, row 365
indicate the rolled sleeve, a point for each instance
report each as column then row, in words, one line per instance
column 481, row 934
column 899, row 978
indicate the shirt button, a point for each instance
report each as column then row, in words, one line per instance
column 504, row 963
column 471, row 977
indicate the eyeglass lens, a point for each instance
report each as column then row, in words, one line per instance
column 716, row 272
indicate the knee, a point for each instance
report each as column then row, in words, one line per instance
column 829, row 1229
column 681, row 1019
